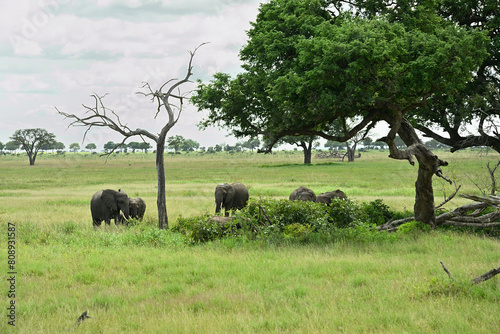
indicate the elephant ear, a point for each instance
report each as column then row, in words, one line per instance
column 108, row 198
column 229, row 194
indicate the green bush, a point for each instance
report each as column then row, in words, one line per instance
column 204, row 228
column 297, row 230
column 346, row 213
column 272, row 216
column 412, row 228
column 377, row 213
column 271, row 219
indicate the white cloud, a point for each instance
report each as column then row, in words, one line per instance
column 72, row 49
column 23, row 83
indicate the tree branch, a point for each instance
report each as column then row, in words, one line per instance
column 486, row 276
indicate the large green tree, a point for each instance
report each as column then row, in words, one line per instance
column 175, row 142
column 12, row 145
column 32, row 140
column 308, row 67
column 468, row 115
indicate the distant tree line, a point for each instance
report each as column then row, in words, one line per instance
column 39, row 140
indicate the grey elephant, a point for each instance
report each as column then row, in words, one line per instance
column 329, row 196
column 109, row 204
column 230, row 196
column 137, row 207
column 303, row 194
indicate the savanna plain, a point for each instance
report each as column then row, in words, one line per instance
column 139, row 279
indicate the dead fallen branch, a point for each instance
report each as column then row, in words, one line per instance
column 484, row 277
column 445, row 269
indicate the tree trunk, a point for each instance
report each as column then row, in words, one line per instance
column 32, row 158
column 428, row 166
column 307, row 155
column 307, row 149
column 350, row 153
column 424, row 197
column 160, row 170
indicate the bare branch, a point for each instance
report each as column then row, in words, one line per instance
column 492, row 177
column 99, row 118
column 394, row 224
column 486, row 276
column 449, row 198
column 492, row 200
column 446, row 270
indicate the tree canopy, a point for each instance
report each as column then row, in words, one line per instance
column 308, row 65
column 305, row 69
column 32, row 140
column 12, row 145
column 469, row 114
column 74, row 147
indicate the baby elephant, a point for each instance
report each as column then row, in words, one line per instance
column 303, row 194
column 328, row 196
column 230, row 196
column 137, row 207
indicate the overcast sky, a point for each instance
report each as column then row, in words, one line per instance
column 56, row 53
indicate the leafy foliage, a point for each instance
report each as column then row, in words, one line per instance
column 32, row 140
column 267, row 218
column 203, row 228
column 377, row 212
column 299, row 57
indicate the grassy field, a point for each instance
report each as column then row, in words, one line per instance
column 144, row 280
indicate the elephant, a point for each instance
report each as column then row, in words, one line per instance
column 137, row 207
column 230, row 196
column 328, row 196
column 107, row 204
column 303, row 194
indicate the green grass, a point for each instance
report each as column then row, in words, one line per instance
column 143, row 280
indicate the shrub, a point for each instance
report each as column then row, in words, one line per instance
column 267, row 218
column 346, row 213
column 377, row 213
column 297, row 231
column 272, row 216
column 204, row 228
column 412, row 228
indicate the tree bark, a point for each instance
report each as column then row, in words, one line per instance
column 307, row 152
column 484, row 277
column 428, row 166
column 350, row 153
column 424, row 192
column 161, row 200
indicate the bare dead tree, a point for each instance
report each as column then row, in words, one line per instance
column 170, row 101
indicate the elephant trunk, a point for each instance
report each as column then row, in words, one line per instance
column 218, row 206
column 218, row 203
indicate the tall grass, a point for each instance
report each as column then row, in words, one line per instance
column 141, row 279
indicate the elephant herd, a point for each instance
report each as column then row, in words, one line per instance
column 235, row 196
column 306, row 194
column 111, row 204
